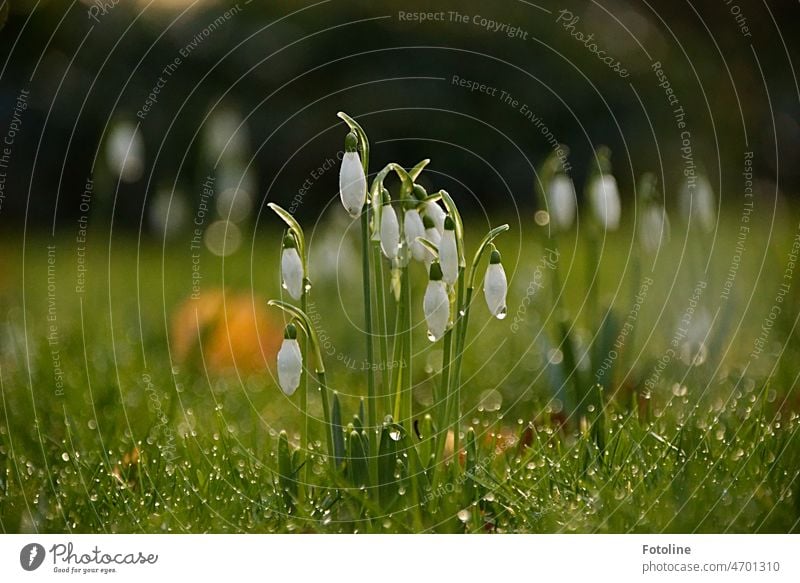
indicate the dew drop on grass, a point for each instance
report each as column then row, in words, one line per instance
column 679, row 390
column 65, row 456
column 489, row 497
column 464, row 515
column 394, row 434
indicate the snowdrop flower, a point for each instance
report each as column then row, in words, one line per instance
column 352, row 182
column 699, row 205
column 561, row 201
column 290, row 362
column 390, row 230
column 291, row 268
column 413, row 228
column 125, row 151
column 495, row 286
column 430, row 208
column 604, row 198
column 653, row 228
column 431, row 234
column 448, row 252
column 436, row 304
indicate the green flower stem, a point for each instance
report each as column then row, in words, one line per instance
column 304, row 399
column 408, row 411
column 462, row 310
column 371, row 396
column 329, row 428
column 385, row 401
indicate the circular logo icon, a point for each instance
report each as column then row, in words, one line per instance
column 31, row 556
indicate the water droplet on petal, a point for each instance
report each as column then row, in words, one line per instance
column 431, row 336
column 502, row 313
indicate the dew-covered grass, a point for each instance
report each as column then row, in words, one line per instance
column 114, row 419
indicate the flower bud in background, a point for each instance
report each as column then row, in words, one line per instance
column 291, row 268
column 495, row 286
column 352, row 182
column 604, row 198
column 436, row 304
column 653, row 220
column 432, row 235
column 699, row 204
column 125, row 151
column 413, row 229
column 561, row 201
column 448, row 252
column 390, row 229
column 290, row 362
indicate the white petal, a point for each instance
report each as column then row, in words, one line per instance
column 437, row 215
column 495, row 287
column 292, row 272
column 653, row 228
column 413, row 228
column 604, row 197
column 698, row 204
column 390, row 232
column 436, row 306
column 352, row 184
column 290, row 365
column 561, row 202
column 448, row 257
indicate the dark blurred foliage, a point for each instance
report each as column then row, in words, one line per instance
column 289, row 67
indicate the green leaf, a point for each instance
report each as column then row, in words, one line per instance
column 286, row 473
column 338, row 430
column 417, row 170
column 387, row 462
column 357, row 454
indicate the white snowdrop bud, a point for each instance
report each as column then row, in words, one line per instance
column 290, row 362
column 125, row 151
column 432, row 235
column 653, row 228
column 436, row 304
column 291, row 268
column 495, row 286
column 414, row 228
column 604, row 198
column 352, row 181
column 448, row 252
column 698, row 204
column 390, row 230
column 561, row 201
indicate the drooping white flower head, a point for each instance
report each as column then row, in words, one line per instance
column 125, row 151
column 561, row 201
column 495, row 286
column 352, row 181
column 430, row 208
column 291, row 268
column 653, row 228
column 436, row 304
column 290, row 362
column 431, row 234
column 448, row 252
column 604, row 198
column 414, row 228
column 698, row 204
column 390, row 229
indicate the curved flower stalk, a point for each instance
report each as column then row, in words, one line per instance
column 495, row 286
column 290, row 362
column 436, row 304
column 292, row 274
